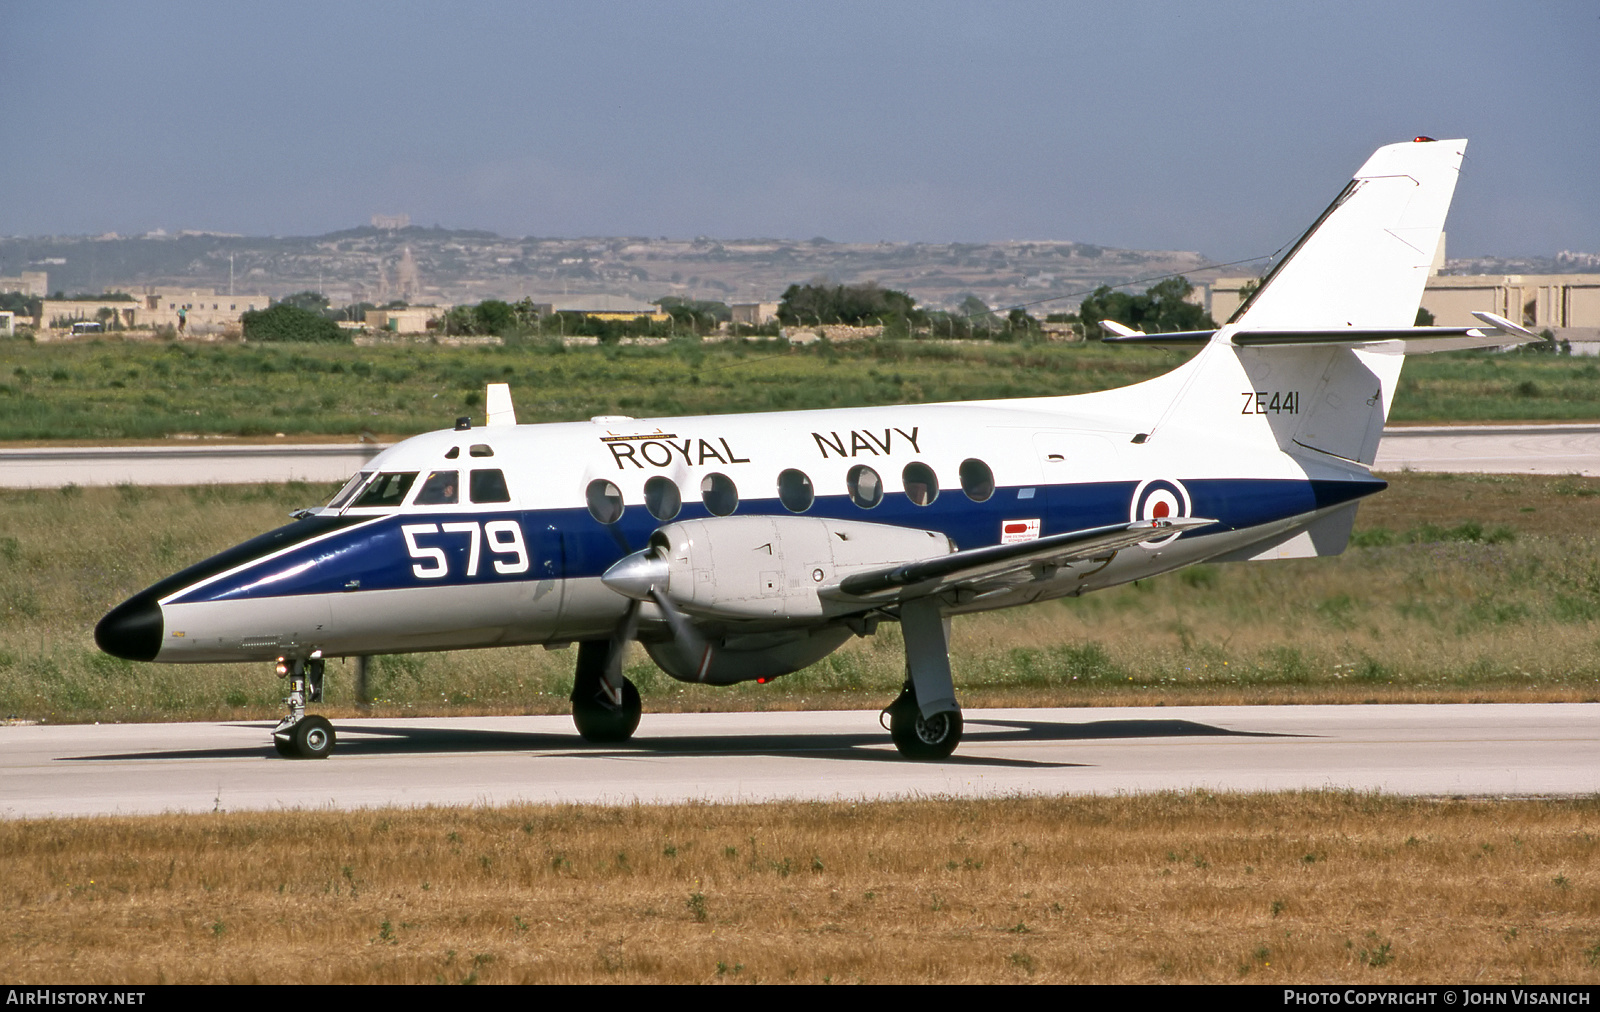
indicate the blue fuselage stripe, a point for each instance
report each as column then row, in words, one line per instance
column 570, row 544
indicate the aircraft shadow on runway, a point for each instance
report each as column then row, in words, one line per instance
column 380, row 740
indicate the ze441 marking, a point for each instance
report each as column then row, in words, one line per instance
column 504, row 538
column 1271, row 402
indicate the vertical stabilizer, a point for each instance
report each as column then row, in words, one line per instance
column 1361, row 267
column 1365, row 262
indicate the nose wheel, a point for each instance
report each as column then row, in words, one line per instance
column 300, row 735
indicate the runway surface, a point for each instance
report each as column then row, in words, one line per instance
column 1491, row 749
column 179, row 464
column 1494, row 449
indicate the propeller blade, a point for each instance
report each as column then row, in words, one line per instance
column 694, row 648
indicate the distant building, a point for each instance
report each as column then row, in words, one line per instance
column 1560, row 302
column 754, row 314
column 410, row 320
column 391, row 222
column 33, row 283
column 610, row 307
column 1537, row 301
column 185, row 310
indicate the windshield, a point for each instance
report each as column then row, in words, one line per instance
column 386, row 490
column 351, row 487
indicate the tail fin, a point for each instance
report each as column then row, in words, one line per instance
column 1360, row 269
column 1365, row 261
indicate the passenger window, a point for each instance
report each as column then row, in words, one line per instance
column 866, row 488
column 662, row 498
column 717, row 491
column 921, row 484
column 489, row 486
column 605, row 501
column 795, row 491
column 452, row 453
column 441, row 489
column 481, row 450
column 977, row 481
column 386, row 490
column 351, row 487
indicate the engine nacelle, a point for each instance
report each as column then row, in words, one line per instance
column 747, row 658
column 772, row 567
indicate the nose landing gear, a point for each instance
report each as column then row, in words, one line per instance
column 299, row 736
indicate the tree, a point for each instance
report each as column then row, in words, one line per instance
column 817, row 302
column 283, row 322
column 311, row 302
column 494, row 317
column 695, row 315
column 978, row 314
column 1163, row 308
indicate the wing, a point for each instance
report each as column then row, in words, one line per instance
column 981, row 569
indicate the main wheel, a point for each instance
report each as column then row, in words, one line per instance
column 312, row 738
column 602, row 723
column 919, row 737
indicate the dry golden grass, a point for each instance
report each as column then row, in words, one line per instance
column 1265, row 888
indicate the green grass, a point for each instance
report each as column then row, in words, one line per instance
column 109, row 390
column 1492, row 598
column 117, row 390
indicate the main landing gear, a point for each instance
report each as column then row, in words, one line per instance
column 605, row 705
column 302, row 736
column 924, row 720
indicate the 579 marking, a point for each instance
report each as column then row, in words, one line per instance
column 504, row 537
column 1271, row 402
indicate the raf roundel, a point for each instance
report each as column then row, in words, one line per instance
column 1159, row 499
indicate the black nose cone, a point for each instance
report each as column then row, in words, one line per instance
column 132, row 629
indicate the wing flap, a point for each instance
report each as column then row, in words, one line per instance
column 977, row 566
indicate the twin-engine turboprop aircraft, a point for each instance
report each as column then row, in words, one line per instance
column 738, row 547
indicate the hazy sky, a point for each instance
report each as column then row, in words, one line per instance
column 1220, row 127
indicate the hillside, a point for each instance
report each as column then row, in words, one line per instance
column 457, row 266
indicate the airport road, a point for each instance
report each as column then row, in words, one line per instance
column 1430, row 750
column 1497, row 449
column 1492, row 449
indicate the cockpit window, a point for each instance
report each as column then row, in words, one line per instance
column 489, row 485
column 452, row 453
column 481, row 450
column 441, row 489
column 386, row 490
column 351, row 487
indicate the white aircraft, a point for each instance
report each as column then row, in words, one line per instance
column 738, row 547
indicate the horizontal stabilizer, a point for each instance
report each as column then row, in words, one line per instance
column 1176, row 339
column 1498, row 333
column 976, row 566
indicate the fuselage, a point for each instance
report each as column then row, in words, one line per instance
column 498, row 535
